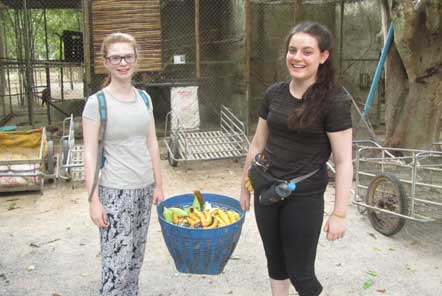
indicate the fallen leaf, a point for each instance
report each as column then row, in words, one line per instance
column 368, row 283
column 372, row 235
column 13, row 206
column 31, row 267
column 57, row 294
column 391, row 249
column 372, row 273
column 381, row 290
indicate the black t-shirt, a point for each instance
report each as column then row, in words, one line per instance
column 297, row 152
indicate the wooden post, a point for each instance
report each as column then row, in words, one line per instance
column 47, row 69
column 2, row 68
column 87, row 52
column 197, row 40
column 341, row 39
column 247, row 20
column 28, row 69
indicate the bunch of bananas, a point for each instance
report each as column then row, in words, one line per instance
column 200, row 214
column 194, row 218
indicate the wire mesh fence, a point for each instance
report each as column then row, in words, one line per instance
column 232, row 50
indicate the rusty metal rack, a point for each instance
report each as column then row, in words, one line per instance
column 229, row 142
column 397, row 184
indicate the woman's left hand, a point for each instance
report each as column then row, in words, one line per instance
column 157, row 196
column 335, row 227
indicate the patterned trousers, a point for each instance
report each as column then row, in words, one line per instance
column 123, row 242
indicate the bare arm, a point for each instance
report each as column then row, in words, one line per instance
column 152, row 146
column 341, row 144
column 90, row 137
column 258, row 143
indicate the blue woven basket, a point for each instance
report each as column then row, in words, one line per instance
column 201, row 251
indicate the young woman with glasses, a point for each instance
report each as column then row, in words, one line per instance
column 301, row 122
column 130, row 180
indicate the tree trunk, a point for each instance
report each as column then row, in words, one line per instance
column 414, row 75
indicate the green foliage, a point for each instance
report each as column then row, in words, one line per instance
column 58, row 20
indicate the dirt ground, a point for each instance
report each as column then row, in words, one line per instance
column 49, row 247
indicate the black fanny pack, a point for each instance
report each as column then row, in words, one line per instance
column 271, row 189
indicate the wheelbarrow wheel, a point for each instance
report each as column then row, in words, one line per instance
column 387, row 193
column 173, row 146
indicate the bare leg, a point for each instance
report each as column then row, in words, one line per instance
column 280, row 287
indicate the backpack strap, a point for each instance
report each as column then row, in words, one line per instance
column 146, row 98
column 102, row 110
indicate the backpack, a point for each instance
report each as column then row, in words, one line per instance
column 102, row 110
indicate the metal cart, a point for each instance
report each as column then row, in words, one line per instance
column 26, row 160
column 230, row 141
column 394, row 185
column 70, row 162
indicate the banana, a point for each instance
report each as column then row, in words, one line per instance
column 194, row 223
column 223, row 215
column 233, row 216
column 249, row 185
column 214, row 224
column 192, row 214
column 209, row 217
column 175, row 218
column 202, row 218
column 220, row 221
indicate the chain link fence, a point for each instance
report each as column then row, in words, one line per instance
column 40, row 61
column 232, row 50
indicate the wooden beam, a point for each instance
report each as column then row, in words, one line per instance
column 197, row 40
column 87, row 38
column 247, row 28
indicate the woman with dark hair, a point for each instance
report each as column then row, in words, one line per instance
column 301, row 122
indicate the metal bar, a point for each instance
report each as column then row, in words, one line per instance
column 378, row 71
column 423, row 219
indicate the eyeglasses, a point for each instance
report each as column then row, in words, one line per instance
column 116, row 59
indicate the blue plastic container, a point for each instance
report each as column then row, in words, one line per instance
column 201, row 251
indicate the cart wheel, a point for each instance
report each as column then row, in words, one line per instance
column 173, row 145
column 386, row 192
column 50, row 165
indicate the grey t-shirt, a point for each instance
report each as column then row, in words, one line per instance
column 128, row 163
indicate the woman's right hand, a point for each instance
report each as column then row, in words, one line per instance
column 97, row 213
column 244, row 198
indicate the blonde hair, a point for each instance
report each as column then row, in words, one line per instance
column 113, row 38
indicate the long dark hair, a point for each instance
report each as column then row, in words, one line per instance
column 315, row 96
